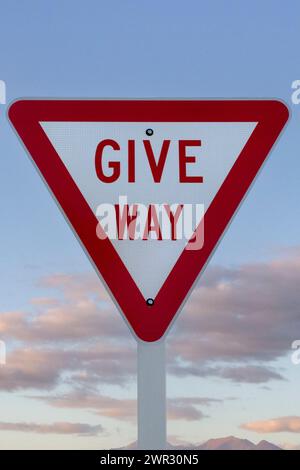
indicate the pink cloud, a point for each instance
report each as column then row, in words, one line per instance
column 242, row 318
column 45, row 368
column 80, row 429
column 81, row 310
column 179, row 408
column 284, row 424
column 238, row 315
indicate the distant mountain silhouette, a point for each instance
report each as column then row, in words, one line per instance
column 234, row 443
column 224, row 443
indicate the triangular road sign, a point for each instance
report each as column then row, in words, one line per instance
column 158, row 155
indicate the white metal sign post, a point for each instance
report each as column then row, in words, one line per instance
column 149, row 186
column 151, row 382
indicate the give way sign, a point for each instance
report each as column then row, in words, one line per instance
column 148, row 186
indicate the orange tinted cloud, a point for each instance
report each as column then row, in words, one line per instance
column 80, row 429
column 284, row 424
column 236, row 322
column 179, row 408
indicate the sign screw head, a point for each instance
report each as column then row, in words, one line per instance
column 149, row 131
column 150, row 302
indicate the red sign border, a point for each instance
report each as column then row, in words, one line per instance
column 148, row 322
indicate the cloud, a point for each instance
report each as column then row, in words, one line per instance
column 186, row 408
column 236, row 323
column 44, row 369
column 241, row 315
column 179, row 408
column 80, row 429
column 123, row 409
column 239, row 374
column 250, row 374
column 284, row 424
column 27, row 368
column 80, row 311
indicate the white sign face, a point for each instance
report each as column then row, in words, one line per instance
column 149, row 261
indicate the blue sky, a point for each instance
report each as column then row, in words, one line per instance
column 139, row 49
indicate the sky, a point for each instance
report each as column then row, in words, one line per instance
column 70, row 377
